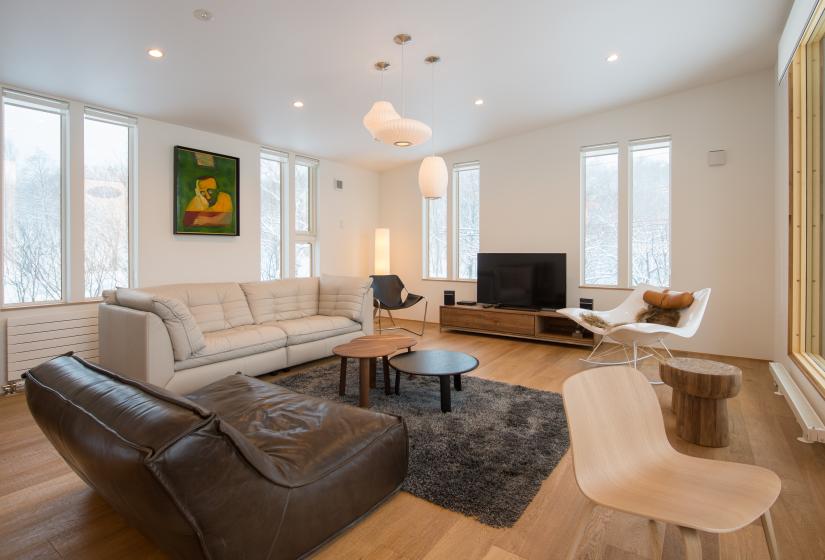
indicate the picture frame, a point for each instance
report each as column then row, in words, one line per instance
column 206, row 193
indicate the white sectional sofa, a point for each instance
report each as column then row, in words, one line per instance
column 185, row 336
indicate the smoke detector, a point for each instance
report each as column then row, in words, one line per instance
column 202, row 14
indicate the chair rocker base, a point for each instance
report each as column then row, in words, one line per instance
column 633, row 354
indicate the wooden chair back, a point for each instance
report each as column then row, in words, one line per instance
column 615, row 424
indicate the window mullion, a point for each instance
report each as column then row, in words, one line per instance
column 625, row 216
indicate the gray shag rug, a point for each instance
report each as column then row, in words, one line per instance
column 486, row 459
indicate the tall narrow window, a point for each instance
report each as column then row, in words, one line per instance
column 273, row 173
column 436, row 242
column 34, row 131
column 600, row 207
column 107, row 152
column 650, row 212
column 466, row 181
column 305, row 241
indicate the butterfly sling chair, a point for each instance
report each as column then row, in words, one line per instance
column 622, row 340
column 388, row 292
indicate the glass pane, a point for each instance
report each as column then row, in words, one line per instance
column 303, row 260
column 650, row 225
column 270, row 219
column 437, row 237
column 106, row 206
column 302, row 196
column 601, row 218
column 468, row 227
column 32, row 257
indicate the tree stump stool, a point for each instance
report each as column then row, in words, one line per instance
column 700, row 392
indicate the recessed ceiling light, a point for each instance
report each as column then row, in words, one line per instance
column 155, row 53
column 613, row 57
column 202, row 14
column 479, row 101
column 298, row 104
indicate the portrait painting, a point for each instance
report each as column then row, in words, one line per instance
column 207, row 192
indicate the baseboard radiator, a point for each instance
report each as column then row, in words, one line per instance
column 813, row 428
column 34, row 339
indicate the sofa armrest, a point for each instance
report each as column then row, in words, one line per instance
column 367, row 324
column 135, row 344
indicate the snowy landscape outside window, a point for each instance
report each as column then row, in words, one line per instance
column 108, row 143
column 466, row 180
column 273, row 165
column 650, row 212
column 600, row 198
column 305, row 231
column 436, row 222
column 33, row 171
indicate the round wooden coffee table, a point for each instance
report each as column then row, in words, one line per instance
column 366, row 352
column 700, row 392
column 437, row 363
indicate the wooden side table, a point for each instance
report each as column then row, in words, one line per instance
column 366, row 352
column 700, row 392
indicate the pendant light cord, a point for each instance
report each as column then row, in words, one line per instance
column 433, row 107
column 403, row 83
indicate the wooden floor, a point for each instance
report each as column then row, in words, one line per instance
column 47, row 512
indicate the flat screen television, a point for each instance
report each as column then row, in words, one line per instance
column 523, row 280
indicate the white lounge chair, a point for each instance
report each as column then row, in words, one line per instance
column 630, row 336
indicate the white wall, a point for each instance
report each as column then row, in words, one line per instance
column 165, row 257
column 722, row 216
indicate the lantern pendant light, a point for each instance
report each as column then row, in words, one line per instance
column 403, row 132
column 432, row 175
column 381, row 111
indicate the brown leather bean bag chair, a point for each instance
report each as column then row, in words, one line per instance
column 240, row 469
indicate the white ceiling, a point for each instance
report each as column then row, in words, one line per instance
column 533, row 62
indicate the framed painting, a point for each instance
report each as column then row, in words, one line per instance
column 207, row 193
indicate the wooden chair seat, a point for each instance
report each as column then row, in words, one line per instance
column 623, row 460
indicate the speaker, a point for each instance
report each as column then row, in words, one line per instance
column 586, row 303
column 449, row 297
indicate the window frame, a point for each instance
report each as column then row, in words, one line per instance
column 310, row 236
column 601, row 149
column 131, row 124
column 62, row 108
column 630, row 190
column 451, row 200
column 458, row 168
column 624, row 151
column 283, row 160
column 805, row 206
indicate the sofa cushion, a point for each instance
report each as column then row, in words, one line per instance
column 342, row 295
column 278, row 300
column 316, row 327
column 215, row 306
column 184, row 333
column 235, row 343
column 305, row 437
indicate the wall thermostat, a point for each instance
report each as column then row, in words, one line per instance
column 717, row 157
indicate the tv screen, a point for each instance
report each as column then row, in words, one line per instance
column 531, row 280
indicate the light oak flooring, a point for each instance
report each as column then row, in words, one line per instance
column 46, row 511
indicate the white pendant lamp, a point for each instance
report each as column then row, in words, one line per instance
column 432, row 175
column 381, row 111
column 403, row 131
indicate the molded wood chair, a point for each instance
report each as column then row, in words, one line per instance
column 624, row 461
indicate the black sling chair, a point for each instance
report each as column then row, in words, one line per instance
column 387, row 291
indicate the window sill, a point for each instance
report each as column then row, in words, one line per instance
column 619, row 288
column 449, row 280
column 46, row 305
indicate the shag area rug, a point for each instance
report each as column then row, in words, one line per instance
column 486, row 459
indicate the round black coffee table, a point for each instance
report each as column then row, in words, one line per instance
column 437, row 363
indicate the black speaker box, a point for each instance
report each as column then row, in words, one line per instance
column 449, row 297
column 586, row 303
